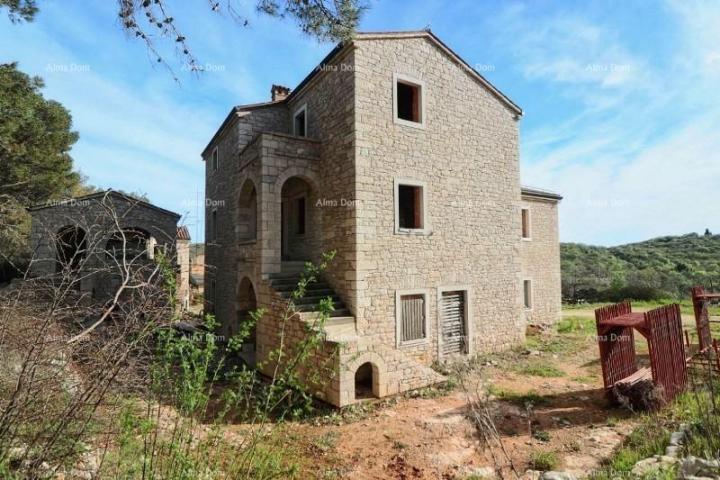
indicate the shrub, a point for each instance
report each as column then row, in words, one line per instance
column 541, row 435
column 543, row 461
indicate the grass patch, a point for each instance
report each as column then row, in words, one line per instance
column 519, row 399
column 576, row 324
column 686, row 307
column 326, row 442
column 543, row 461
column 541, row 370
column 653, row 435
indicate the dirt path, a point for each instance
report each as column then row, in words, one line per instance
column 432, row 438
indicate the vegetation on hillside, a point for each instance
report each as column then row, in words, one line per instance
column 664, row 267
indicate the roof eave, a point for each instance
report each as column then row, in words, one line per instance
column 537, row 193
column 233, row 115
column 104, row 193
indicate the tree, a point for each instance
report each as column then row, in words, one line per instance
column 35, row 141
column 150, row 20
column 19, row 10
column 35, row 162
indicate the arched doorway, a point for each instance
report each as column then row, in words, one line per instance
column 247, row 212
column 366, row 381
column 247, row 303
column 137, row 243
column 71, row 246
column 300, row 222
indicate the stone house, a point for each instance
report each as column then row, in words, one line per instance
column 197, row 269
column 400, row 157
column 83, row 232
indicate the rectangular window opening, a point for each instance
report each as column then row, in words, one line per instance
column 527, row 293
column 410, row 207
column 300, row 123
column 525, row 223
column 408, row 102
column 412, row 318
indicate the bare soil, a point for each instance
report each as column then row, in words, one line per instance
column 433, row 438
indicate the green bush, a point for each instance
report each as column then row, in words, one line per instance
column 543, row 461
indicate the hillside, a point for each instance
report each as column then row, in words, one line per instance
column 664, row 267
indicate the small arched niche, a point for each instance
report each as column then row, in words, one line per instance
column 366, row 381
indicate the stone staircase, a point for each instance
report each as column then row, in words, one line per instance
column 340, row 325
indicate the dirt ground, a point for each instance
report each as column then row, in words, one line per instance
column 433, row 438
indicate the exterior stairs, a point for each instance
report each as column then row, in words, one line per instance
column 340, row 327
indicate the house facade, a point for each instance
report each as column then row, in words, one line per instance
column 399, row 157
column 87, row 234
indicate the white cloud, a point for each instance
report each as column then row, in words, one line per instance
column 640, row 156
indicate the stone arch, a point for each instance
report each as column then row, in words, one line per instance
column 247, row 217
column 300, row 219
column 70, row 247
column 247, row 303
column 369, row 364
column 301, row 172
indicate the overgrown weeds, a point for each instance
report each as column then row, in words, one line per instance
column 543, row 461
column 117, row 391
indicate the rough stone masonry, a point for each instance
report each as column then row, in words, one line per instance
column 401, row 158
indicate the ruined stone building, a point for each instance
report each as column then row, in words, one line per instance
column 400, row 157
column 85, row 233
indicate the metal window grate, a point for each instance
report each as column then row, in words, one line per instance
column 452, row 312
column 412, row 317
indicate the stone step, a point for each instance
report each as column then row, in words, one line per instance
column 290, row 286
column 284, row 275
column 313, row 307
column 340, row 321
column 292, row 266
column 285, row 285
column 311, row 293
column 315, row 299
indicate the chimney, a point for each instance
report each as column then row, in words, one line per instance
column 278, row 93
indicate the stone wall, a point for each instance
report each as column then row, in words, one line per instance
column 466, row 154
column 541, row 261
column 329, row 100
column 222, row 191
column 96, row 215
column 183, row 281
column 466, row 157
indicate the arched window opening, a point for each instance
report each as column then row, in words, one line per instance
column 70, row 245
column 247, row 212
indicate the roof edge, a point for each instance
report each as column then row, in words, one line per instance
column 233, row 115
column 429, row 34
column 540, row 193
column 104, row 193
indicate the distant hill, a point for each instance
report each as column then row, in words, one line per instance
column 664, row 267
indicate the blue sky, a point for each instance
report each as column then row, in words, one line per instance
column 621, row 98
